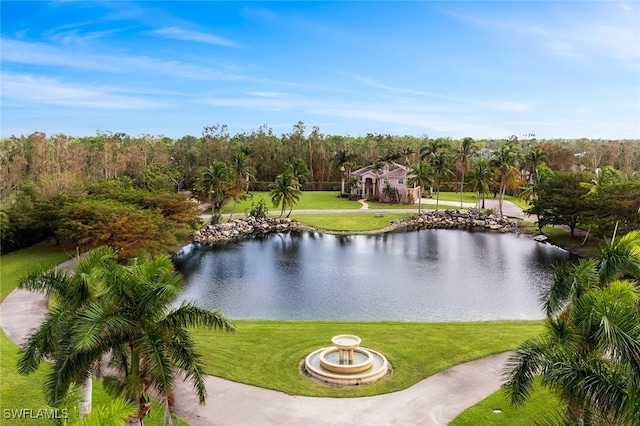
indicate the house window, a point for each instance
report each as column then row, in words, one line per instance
column 400, row 181
column 386, row 181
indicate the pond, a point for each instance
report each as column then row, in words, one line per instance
column 426, row 275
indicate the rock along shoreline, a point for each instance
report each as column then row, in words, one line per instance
column 249, row 227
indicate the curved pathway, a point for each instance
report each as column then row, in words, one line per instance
column 434, row 401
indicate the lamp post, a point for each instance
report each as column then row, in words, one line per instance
column 342, row 176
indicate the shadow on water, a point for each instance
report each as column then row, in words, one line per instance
column 427, row 275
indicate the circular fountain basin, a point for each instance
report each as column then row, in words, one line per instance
column 377, row 370
column 330, row 360
column 346, row 341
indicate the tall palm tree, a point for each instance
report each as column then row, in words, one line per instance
column 126, row 312
column 441, row 166
column 531, row 189
column 481, row 177
column 504, row 162
column 299, row 170
column 430, row 150
column 69, row 293
column 214, row 181
column 590, row 350
column 534, row 157
column 464, row 154
column 343, row 160
column 240, row 174
column 432, row 147
column 420, row 175
column 146, row 336
column 285, row 192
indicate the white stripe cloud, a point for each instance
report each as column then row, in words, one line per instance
column 189, row 35
column 28, row 89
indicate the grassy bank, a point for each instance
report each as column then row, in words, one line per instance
column 268, row 353
column 354, row 222
column 496, row 410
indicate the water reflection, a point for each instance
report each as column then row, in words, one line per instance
column 427, row 275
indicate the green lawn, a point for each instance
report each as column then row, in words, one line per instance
column 309, row 200
column 469, row 197
column 496, row 410
column 329, row 200
column 268, row 353
column 12, row 265
column 355, row 222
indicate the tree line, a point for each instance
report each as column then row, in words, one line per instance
column 112, row 189
column 157, row 162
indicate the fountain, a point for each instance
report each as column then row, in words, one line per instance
column 346, row 363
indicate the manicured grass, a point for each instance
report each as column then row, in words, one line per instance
column 13, row 265
column 19, row 392
column 373, row 205
column 523, row 204
column 268, row 353
column 541, row 404
column 309, row 200
column 469, row 197
column 356, row 222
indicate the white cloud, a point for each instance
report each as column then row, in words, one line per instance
column 48, row 55
column 43, row 90
column 597, row 29
column 496, row 105
column 189, row 35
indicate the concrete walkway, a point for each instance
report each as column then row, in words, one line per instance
column 434, row 401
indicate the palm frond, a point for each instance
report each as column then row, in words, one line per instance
column 522, row 367
column 152, row 349
column 189, row 315
column 184, row 357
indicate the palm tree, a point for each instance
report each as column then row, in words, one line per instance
column 240, row 175
column 299, row 170
column 391, row 192
column 433, row 146
column 124, row 311
column 504, row 162
column 463, row 155
column 605, row 175
column 534, row 157
column 430, row 150
column 285, row 192
column 147, row 337
column 590, row 351
column 530, row 191
column 441, row 167
column 215, row 181
column 420, row 175
column 481, row 177
column 69, row 293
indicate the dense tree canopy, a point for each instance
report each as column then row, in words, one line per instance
column 40, row 174
column 561, row 199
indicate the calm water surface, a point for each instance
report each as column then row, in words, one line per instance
column 427, row 275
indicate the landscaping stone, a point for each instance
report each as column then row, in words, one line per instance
column 448, row 219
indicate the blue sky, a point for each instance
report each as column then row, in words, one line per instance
column 443, row 69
